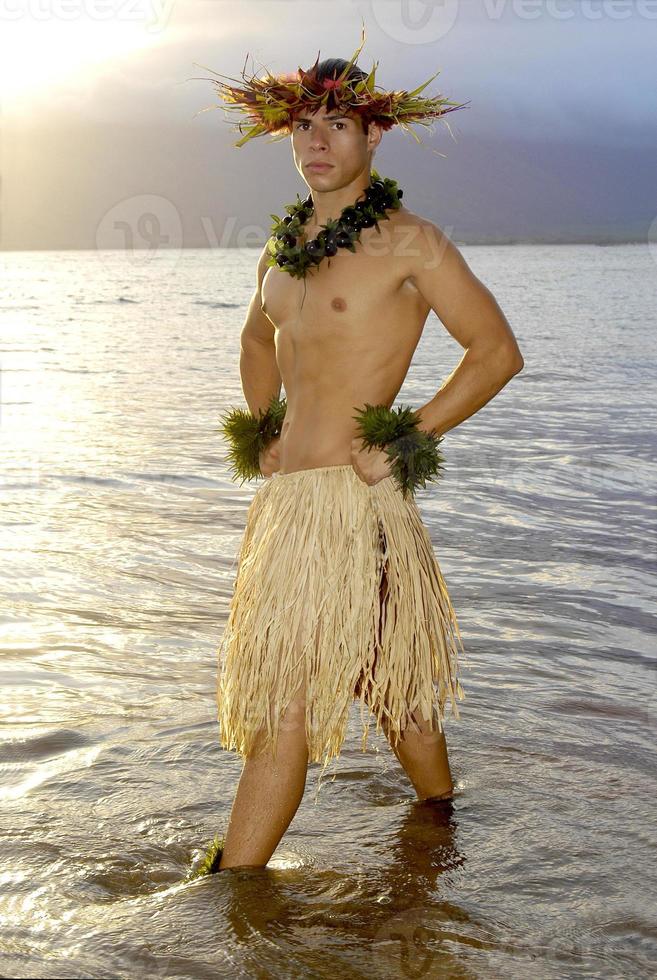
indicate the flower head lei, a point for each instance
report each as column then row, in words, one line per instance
column 271, row 102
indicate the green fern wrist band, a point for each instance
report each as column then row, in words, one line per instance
column 413, row 453
column 248, row 435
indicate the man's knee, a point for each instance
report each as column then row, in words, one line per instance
column 292, row 720
column 417, row 732
column 285, row 726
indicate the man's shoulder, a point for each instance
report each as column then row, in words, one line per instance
column 416, row 225
column 264, row 263
column 403, row 217
column 422, row 240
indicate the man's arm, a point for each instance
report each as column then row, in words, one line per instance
column 259, row 372
column 472, row 316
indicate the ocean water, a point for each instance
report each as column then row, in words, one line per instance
column 120, row 531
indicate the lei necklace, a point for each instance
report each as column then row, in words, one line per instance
column 289, row 252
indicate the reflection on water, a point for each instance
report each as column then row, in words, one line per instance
column 120, row 530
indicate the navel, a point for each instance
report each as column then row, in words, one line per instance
column 338, row 304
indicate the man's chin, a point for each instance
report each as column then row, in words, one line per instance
column 321, row 177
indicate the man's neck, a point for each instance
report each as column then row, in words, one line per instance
column 332, row 203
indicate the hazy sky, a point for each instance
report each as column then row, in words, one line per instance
column 101, row 140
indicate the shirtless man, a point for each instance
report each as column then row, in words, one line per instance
column 350, row 343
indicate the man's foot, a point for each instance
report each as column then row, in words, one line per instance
column 209, row 864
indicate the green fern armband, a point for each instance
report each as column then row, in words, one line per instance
column 248, row 435
column 413, row 453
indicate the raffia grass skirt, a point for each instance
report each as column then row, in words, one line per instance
column 338, row 595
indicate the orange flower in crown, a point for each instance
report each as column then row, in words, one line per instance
column 270, row 103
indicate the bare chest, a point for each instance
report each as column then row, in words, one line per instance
column 346, row 296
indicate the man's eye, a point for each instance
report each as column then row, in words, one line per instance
column 301, row 124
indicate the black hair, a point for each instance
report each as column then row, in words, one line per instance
column 333, row 68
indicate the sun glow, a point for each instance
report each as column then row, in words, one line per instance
column 36, row 57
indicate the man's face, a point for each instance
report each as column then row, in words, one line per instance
column 335, row 138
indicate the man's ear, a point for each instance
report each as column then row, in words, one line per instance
column 374, row 134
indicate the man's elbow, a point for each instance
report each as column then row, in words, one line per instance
column 504, row 360
column 510, row 360
column 517, row 363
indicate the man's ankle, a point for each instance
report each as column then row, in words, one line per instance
column 447, row 795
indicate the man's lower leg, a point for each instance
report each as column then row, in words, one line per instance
column 268, row 796
column 424, row 758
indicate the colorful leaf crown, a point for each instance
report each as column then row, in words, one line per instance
column 270, row 103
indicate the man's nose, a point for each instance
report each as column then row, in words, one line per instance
column 318, row 141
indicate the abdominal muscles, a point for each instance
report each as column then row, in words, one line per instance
column 327, row 377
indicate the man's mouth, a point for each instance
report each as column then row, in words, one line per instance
column 319, row 166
